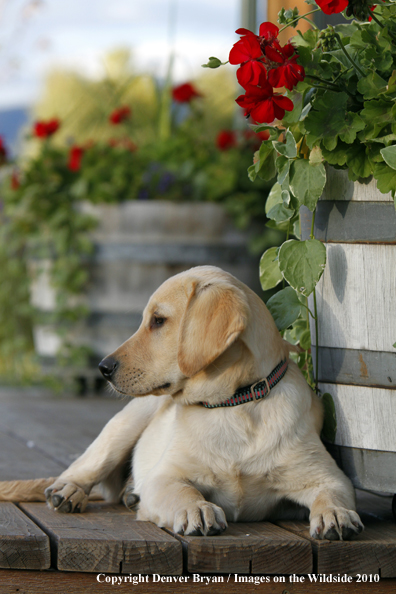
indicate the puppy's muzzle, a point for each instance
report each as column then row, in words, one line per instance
column 107, row 367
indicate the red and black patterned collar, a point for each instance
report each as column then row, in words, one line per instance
column 258, row 390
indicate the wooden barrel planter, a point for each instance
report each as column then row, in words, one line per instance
column 356, row 300
column 138, row 245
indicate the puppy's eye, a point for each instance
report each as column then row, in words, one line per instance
column 157, row 322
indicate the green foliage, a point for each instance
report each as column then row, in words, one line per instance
column 329, row 428
column 285, row 308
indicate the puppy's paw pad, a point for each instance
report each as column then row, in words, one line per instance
column 66, row 497
column 200, row 519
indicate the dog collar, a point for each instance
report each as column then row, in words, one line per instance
column 259, row 389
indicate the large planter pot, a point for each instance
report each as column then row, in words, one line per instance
column 356, row 299
column 138, row 245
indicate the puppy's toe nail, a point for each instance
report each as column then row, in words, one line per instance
column 56, row 500
column 131, row 500
column 332, row 534
column 348, row 533
column 66, row 507
column 359, row 527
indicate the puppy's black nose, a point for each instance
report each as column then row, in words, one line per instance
column 108, row 366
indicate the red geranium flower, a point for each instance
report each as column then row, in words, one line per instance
column 185, row 93
column 3, row 152
column 15, row 183
column 263, row 104
column 288, row 73
column 247, row 52
column 332, row 6
column 226, row 139
column 268, row 35
column 75, row 156
column 45, row 129
column 120, row 115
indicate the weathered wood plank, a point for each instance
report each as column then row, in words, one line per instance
column 349, row 222
column 22, row 544
column 248, row 548
column 61, row 427
column 356, row 302
column 19, row 460
column 340, row 187
column 365, row 416
column 107, row 538
column 372, row 552
column 54, row 582
column 352, row 366
column 367, row 469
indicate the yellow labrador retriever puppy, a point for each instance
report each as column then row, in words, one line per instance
column 223, row 426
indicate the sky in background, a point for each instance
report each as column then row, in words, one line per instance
column 37, row 36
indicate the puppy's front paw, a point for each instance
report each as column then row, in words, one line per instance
column 200, row 519
column 66, row 497
column 336, row 523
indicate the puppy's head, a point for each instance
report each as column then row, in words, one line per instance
column 189, row 322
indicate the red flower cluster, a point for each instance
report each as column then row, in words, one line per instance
column 15, row 182
column 75, row 155
column 265, row 65
column 185, row 93
column 45, row 129
column 332, row 6
column 120, row 115
column 3, row 152
column 125, row 143
column 226, row 139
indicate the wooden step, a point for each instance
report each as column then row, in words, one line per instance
column 22, row 544
column 107, row 538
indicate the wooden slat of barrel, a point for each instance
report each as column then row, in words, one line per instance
column 356, row 300
column 138, row 245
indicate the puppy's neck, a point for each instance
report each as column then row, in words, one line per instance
column 235, row 368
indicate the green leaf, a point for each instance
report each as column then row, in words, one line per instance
column 270, row 275
column 283, row 167
column 287, row 149
column 214, row 63
column 389, row 155
column 274, row 197
column 386, row 178
column 394, row 346
column 285, row 308
column 329, row 428
column 371, row 86
column 329, row 119
column 305, row 340
column 280, row 213
column 265, row 165
column 307, row 182
column 302, row 263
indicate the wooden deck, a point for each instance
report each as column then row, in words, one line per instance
column 41, row 434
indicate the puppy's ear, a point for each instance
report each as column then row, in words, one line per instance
column 215, row 316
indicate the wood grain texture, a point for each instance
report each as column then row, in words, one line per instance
column 356, row 298
column 58, row 428
column 19, row 460
column 248, row 548
column 367, row 469
column 339, row 187
column 22, row 544
column 54, row 582
column 365, row 416
column 353, row 366
column 107, row 538
column 372, row 552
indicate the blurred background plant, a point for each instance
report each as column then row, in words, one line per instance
column 122, row 137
